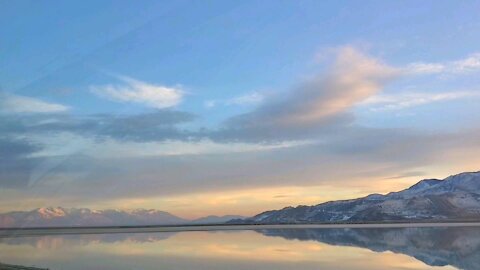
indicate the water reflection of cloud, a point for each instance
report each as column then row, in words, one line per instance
column 59, row 241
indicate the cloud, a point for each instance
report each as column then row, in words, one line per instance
column 469, row 64
column 320, row 102
column 155, row 126
column 367, row 155
column 15, row 148
column 15, row 163
column 37, row 148
column 385, row 102
column 135, row 91
column 247, row 99
column 425, row 68
column 303, row 136
column 108, row 147
column 416, row 174
column 314, row 108
column 10, row 103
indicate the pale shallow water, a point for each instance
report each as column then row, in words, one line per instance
column 342, row 248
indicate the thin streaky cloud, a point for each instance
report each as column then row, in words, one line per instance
column 139, row 92
column 385, row 102
column 468, row 64
column 10, row 103
column 243, row 100
column 425, row 68
column 251, row 98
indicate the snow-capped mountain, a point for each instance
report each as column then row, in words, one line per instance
column 58, row 217
column 454, row 198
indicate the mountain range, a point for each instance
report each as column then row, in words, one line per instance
column 83, row 217
column 455, row 198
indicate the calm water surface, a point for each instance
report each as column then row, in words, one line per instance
column 399, row 248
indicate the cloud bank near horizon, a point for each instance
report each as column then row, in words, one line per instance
column 301, row 136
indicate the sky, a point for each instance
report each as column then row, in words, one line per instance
column 233, row 107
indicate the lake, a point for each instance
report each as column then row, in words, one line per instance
column 288, row 248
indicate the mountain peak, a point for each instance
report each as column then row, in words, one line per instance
column 463, row 176
column 424, row 184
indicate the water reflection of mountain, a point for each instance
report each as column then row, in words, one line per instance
column 59, row 241
column 18, row 267
column 455, row 246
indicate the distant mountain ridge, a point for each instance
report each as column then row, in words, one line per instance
column 84, row 217
column 72, row 217
column 455, row 198
column 215, row 219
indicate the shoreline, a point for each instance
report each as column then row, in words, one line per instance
column 17, row 232
column 4, row 266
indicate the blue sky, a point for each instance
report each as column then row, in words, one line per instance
column 215, row 51
column 213, row 85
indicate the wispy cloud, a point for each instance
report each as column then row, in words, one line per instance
column 247, row 99
column 406, row 100
column 461, row 66
column 425, row 68
column 10, row 103
column 135, row 91
column 61, row 146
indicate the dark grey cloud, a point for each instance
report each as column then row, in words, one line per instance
column 15, row 161
column 155, row 126
column 21, row 136
column 15, row 148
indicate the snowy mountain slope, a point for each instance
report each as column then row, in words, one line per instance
column 454, row 198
